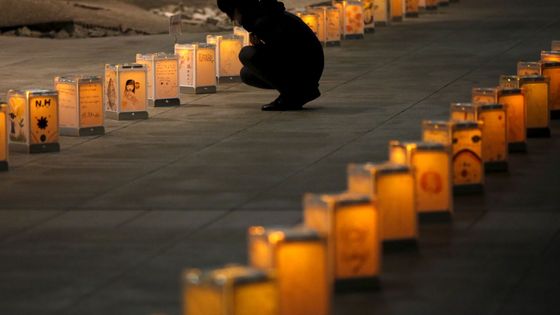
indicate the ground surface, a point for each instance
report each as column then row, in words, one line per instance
column 107, row 225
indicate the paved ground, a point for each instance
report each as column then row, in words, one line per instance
column 107, row 225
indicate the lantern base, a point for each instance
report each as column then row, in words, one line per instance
column 82, row 132
column 399, row 245
column 230, row 79
column 369, row 30
column 357, row 284
column 431, row 8
column 555, row 114
column 126, row 115
column 517, row 147
column 411, row 14
column 353, row 36
column 3, row 166
column 468, row 189
column 443, row 216
column 538, row 132
column 332, row 43
column 397, row 19
column 495, row 166
column 443, row 4
column 167, row 102
column 382, row 23
column 198, row 90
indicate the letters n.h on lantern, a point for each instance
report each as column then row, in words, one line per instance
column 298, row 258
column 80, row 101
column 162, row 78
column 33, row 126
column 231, row 290
column 350, row 223
column 228, row 65
column 197, row 68
column 4, row 150
column 126, row 95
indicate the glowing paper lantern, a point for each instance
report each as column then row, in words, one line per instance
column 80, row 102
column 551, row 70
column 231, row 290
column 494, row 135
column 329, row 25
column 4, row 151
column 431, row 163
column 162, row 78
column 197, row 68
column 465, row 140
column 298, row 258
column 33, row 121
column 482, row 96
column 369, row 16
column 392, row 187
column 555, row 45
column 514, row 100
column 312, row 20
column 422, row 4
column 411, row 8
column 352, row 19
column 431, row 5
column 241, row 32
column 509, row 82
column 126, row 96
column 550, row 56
column 381, row 12
column 397, row 10
column 536, row 93
column 462, row 111
column 350, row 223
column 228, row 65
column 525, row 68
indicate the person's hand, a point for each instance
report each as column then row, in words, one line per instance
column 255, row 40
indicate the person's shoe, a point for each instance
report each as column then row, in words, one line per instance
column 291, row 102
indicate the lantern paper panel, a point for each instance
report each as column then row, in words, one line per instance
column 197, row 68
column 528, row 68
column 333, row 27
column 431, row 5
column 551, row 70
column 397, row 10
column 482, row 96
column 4, row 151
column 514, row 100
column 228, row 65
column 34, row 120
column 437, row 131
column 509, row 82
column 241, row 32
column 352, row 19
column 422, row 4
column 298, row 258
column 311, row 20
column 550, row 56
column 369, row 16
column 231, row 290
column 381, row 12
column 555, row 45
column 162, row 78
column 411, row 8
column 350, row 223
column 462, row 111
column 392, row 187
column 321, row 13
column 431, row 163
column 80, row 101
column 535, row 89
column 126, row 96
column 494, row 136
column 468, row 166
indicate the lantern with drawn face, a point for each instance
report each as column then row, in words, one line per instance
column 126, row 97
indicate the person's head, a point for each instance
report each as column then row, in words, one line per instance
column 130, row 86
column 243, row 12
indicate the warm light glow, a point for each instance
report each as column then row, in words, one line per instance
column 535, row 89
column 228, row 64
column 396, row 10
column 509, row 82
column 431, row 4
column 197, row 67
column 350, row 224
column 437, row 131
column 125, row 89
column 3, row 136
column 381, row 12
column 162, row 76
column 312, row 20
column 299, row 262
column 369, row 22
column 551, row 70
column 392, row 187
column 494, row 133
column 232, row 290
column 550, row 56
column 462, row 111
column 526, row 68
column 352, row 18
column 481, row 96
column 555, row 46
column 240, row 31
column 514, row 100
column 411, row 7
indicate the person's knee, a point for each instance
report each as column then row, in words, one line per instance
column 245, row 75
column 247, row 55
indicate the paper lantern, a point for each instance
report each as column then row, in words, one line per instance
column 431, row 163
column 351, row 19
column 228, row 65
column 462, row 111
column 392, row 187
column 231, row 290
column 126, row 96
column 465, row 139
column 431, row 5
column 162, row 78
column 33, row 118
column 80, row 100
column 509, row 82
column 550, row 56
column 329, row 25
column 535, row 89
column 312, row 20
column 397, row 10
column 381, row 12
column 551, row 70
column 4, row 151
column 555, row 45
column 514, row 100
column 525, row 68
column 422, row 4
column 197, row 68
column 494, row 135
column 241, row 32
column 350, row 223
column 482, row 96
column 411, row 8
column 369, row 16
column 298, row 258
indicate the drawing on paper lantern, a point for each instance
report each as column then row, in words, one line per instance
column 111, row 95
column 186, row 67
column 17, row 119
column 353, row 252
column 431, row 182
column 468, row 166
column 368, row 12
column 355, row 19
column 45, row 127
column 130, row 99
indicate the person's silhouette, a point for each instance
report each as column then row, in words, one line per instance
column 285, row 54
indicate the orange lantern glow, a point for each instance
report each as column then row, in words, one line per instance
column 411, row 8
column 397, row 10
column 526, row 68
column 312, row 20
column 555, row 46
column 350, row 223
column 126, row 96
column 197, row 68
column 482, row 96
column 514, row 100
column 80, row 102
column 352, row 19
column 431, row 163
column 298, row 258
column 509, row 82
column 34, row 121
column 4, row 151
column 241, row 32
column 228, row 65
column 329, row 25
column 550, row 56
column 381, row 12
column 535, row 89
column 462, row 111
column 422, row 4
column 162, row 72
column 369, row 16
column 392, row 186
column 431, row 5
column 231, row 290
column 494, row 135
column 551, row 70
